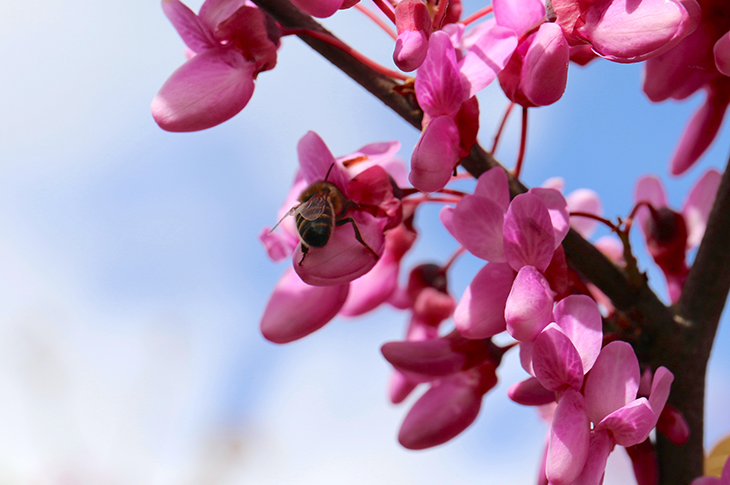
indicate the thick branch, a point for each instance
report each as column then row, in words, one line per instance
column 690, row 343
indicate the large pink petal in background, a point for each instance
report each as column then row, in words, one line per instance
column 700, row 131
column 207, row 90
column 697, row 206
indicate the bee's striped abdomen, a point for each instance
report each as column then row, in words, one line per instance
column 316, row 233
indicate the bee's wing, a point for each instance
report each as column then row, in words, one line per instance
column 313, row 208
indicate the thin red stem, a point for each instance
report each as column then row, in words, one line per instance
column 377, row 19
column 386, row 8
column 335, row 42
column 502, row 125
column 435, row 199
column 630, row 220
column 477, row 15
column 600, row 219
column 453, row 258
column 523, row 143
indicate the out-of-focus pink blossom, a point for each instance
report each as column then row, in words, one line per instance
column 699, row 61
column 232, row 43
column 669, row 234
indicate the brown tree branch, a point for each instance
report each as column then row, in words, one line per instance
column 681, row 341
column 688, row 342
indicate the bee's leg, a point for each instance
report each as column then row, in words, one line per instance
column 345, row 207
column 305, row 250
column 341, row 222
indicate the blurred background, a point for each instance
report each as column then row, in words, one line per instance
column 132, row 280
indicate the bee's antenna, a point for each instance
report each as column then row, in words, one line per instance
column 328, row 172
column 289, row 213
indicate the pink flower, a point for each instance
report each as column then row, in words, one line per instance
column 624, row 31
column 232, row 42
column 520, row 239
column 311, row 294
column 445, row 88
column 698, row 61
column 669, row 235
column 413, row 21
column 537, row 72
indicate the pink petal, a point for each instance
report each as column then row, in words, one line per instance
column 480, row 312
column 207, row 90
column 318, row 8
column 722, row 54
column 631, row 424
column 648, row 189
column 399, row 387
column 518, row 15
column 443, row 412
column 296, row 309
column 493, row 184
column 556, row 361
column 410, row 50
column 372, row 289
column 529, row 238
column 578, row 316
column 477, row 224
column 599, row 449
column 214, row 12
column 680, row 71
column 486, row 58
column 191, row 29
column 697, row 206
column 660, row 387
column 557, row 207
column 316, row 161
column 700, row 132
column 623, row 31
column 545, row 66
column 372, row 188
column 530, row 393
column 569, row 440
column 343, row 258
column 278, row 245
column 613, row 381
column 435, row 357
column 529, row 305
column 446, row 216
column 435, row 155
column 438, row 85
column 587, row 201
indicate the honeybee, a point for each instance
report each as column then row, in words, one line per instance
column 322, row 206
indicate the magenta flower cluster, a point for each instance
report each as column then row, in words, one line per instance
column 348, row 222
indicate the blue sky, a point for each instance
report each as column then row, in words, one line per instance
column 133, row 280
